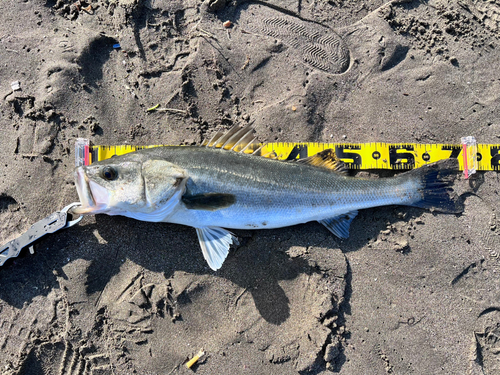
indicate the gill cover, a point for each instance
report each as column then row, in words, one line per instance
column 147, row 190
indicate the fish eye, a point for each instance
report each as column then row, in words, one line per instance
column 109, row 173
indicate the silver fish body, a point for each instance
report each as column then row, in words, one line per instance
column 274, row 194
column 211, row 188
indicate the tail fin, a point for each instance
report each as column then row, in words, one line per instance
column 436, row 191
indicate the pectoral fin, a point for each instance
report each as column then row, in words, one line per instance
column 339, row 225
column 215, row 243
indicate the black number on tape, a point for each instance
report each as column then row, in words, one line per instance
column 455, row 150
column 356, row 158
column 495, row 157
column 396, row 157
column 299, row 150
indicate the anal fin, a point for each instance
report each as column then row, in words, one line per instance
column 339, row 225
column 215, row 243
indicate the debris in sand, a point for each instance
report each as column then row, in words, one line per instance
column 77, row 5
column 195, row 359
column 246, row 63
column 16, row 85
column 153, row 108
column 228, row 24
column 215, row 5
column 174, row 110
column 401, row 245
column 89, row 9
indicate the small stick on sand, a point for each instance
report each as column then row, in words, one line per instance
column 171, row 110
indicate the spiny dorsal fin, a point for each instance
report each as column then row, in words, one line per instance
column 214, row 139
column 238, row 139
column 226, row 137
column 210, row 143
column 325, row 159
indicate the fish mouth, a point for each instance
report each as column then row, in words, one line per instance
column 89, row 204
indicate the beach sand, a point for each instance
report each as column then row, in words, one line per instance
column 410, row 292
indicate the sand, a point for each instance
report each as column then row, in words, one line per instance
column 410, row 292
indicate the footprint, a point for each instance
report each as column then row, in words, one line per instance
column 21, row 330
column 487, row 341
column 8, row 204
column 317, row 46
column 65, row 359
column 84, row 361
column 487, row 12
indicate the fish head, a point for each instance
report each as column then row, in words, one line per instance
column 128, row 187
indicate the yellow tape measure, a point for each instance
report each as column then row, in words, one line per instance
column 376, row 155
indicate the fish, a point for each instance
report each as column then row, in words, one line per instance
column 221, row 185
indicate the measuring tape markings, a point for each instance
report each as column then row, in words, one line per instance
column 495, row 156
column 375, row 155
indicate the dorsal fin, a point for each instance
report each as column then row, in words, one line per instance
column 258, row 151
column 222, row 140
column 213, row 140
column 244, row 142
column 238, row 139
column 325, row 159
column 241, row 139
